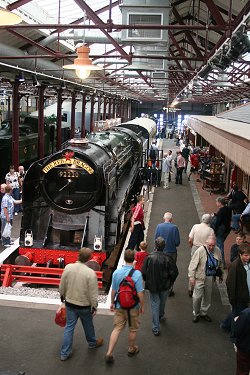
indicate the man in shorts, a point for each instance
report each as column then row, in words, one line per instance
column 121, row 315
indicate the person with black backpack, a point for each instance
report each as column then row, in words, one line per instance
column 127, row 301
column 159, row 272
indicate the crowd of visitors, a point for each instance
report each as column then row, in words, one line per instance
column 156, row 269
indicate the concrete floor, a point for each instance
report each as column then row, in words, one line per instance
column 30, row 341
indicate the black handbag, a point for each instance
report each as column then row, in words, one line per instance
column 218, row 271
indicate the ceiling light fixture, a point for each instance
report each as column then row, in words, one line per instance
column 8, row 18
column 82, row 64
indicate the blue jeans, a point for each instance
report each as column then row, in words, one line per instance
column 158, row 301
column 220, row 239
column 236, row 221
column 86, row 318
column 136, row 237
column 178, row 176
column 5, row 240
column 16, row 196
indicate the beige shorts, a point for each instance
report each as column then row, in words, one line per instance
column 121, row 318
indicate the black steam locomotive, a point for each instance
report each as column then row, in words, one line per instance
column 80, row 195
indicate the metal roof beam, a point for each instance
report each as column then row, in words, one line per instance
column 30, row 41
column 215, row 12
column 178, row 48
column 17, row 4
column 94, row 18
column 118, row 27
column 188, row 34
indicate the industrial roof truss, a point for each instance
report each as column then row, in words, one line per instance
column 146, row 50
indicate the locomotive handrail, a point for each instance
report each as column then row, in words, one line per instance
column 85, row 230
column 126, row 153
column 121, row 160
column 13, row 273
column 119, row 157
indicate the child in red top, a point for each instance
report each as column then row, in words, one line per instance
column 141, row 255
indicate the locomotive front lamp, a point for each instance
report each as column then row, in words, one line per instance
column 82, row 64
column 97, row 243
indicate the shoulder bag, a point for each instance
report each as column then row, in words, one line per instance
column 218, row 271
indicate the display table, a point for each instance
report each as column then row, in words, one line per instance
column 213, row 179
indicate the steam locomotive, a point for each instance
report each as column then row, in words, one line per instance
column 80, row 196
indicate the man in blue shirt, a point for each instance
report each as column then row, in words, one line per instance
column 171, row 235
column 121, row 315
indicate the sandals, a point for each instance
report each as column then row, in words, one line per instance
column 133, row 351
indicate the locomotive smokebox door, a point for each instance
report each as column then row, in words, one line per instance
column 70, row 184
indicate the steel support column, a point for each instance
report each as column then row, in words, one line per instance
column 83, row 122
column 129, row 110
column 91, row 120
column 41, row 122
column 99, row 109
column 27, row 104
column 110, row 106
column 114, row 108
column 104, row 107
column 73, row 115
column 8, row 107
column 122, row 110
column 15, row 125
column 125, row 111
column 59, row 120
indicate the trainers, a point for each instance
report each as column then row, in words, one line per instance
column 109, row 358
column 16, row 213
column 206, row 318
column 156, row 333
column 195, row 319
column 99, row 342
column 135, row 350
column 65, row 358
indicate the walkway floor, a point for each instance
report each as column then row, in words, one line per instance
column 30, row 340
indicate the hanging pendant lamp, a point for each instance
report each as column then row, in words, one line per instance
column 82, row 64
column 8, row 18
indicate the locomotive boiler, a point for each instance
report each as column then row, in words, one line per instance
column 80, row 196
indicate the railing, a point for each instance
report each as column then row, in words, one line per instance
column 10, row 273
